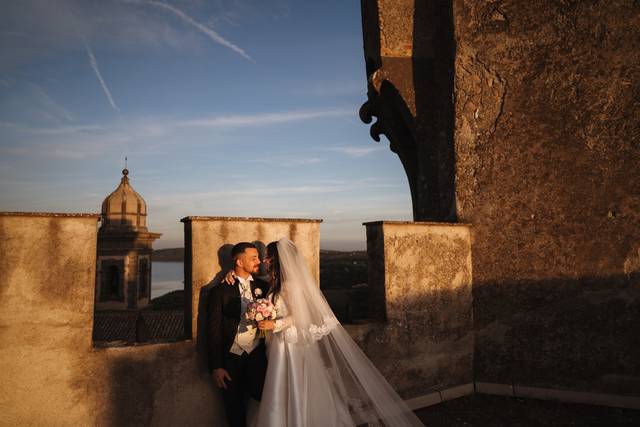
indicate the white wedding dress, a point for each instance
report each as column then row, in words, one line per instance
column 297, row 393
column 317, row 375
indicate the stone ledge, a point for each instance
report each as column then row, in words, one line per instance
column 430, row 223
column 424, row 401
column 456, row 392
column 569, row 396
column 52, row 214
column 437, row 397
column 599, row 399
column 246, row 218
column 495, row 389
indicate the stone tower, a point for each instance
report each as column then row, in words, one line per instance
column 123, row 278
column 521, row 119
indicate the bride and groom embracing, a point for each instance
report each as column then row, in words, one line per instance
column 308, row 371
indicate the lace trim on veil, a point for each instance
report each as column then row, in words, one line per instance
column 316, row 332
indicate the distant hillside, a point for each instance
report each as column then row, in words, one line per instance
column 173, row 300
column 339, row 272
column 342, row 270
column 169, row 255
column 326, row 256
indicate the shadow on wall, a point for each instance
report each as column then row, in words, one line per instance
column 227, row 264
column 166, row 384
column 133, row 387
column 426, row 344
column 413, row 102
column 434, row 53
column 202, row 340
column 578, row 334
column 158, row 385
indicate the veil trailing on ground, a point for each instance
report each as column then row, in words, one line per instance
column 360, row 394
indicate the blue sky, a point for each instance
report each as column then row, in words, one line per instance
column 223, row 108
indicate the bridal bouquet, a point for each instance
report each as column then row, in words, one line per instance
column 261, row 309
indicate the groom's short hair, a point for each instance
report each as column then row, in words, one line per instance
column 240, row 248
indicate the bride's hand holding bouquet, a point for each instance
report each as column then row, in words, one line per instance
column 263, row 312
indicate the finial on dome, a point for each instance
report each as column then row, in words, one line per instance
column 125, row 171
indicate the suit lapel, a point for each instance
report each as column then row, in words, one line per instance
column 236, row 285
column 253, row 288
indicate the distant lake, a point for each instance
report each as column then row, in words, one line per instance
column 166, row 277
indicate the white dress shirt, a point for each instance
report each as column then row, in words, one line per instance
column 245, row 340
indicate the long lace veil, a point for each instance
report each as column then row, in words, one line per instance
column 364, row 394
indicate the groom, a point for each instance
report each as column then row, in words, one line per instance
column 237, row 362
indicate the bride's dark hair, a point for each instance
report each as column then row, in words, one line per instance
column 274, row 270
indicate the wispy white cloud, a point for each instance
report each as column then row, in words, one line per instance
column 58, row 151
column 94, row 65
column 92, row 59
column 355, row 151
column 55, row 110
column 60, row 130
column 53, row 27
column 25, row 101
column 213, row 35
column 159, row 125
column 342, row 203
column 240, row 194
column 263, row 119
column 325, row 89
column 239, row 12
column 288, row 160
column 77, row 141
column 67, row 146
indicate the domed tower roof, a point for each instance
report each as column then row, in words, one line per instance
column 124, row 209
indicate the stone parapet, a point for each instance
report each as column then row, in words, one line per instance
column 208, row 243
column 50, row 214
column 51, row 374
column 420, row 279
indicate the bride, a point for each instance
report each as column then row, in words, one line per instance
column 317, row 375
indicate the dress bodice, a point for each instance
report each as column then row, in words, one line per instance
column 281, row 307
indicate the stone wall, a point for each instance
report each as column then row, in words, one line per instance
column 51, row 374
column 420, row 279
column 208, row 244
column 547, row 153
column 545, row 138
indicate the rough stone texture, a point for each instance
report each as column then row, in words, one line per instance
column 50, row 373
column 545, row 135
column 548, row 148
column 427, row 342
column 208, row 243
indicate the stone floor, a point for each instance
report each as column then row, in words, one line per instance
column 486, row 410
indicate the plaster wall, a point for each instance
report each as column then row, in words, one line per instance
column 420, row 275
column 208, row 243
column 50, row 373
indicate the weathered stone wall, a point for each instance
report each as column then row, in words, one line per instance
column 50, row 373
column 208, row 244
column 545, row 136
column 547, row 170
column 421, row 282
